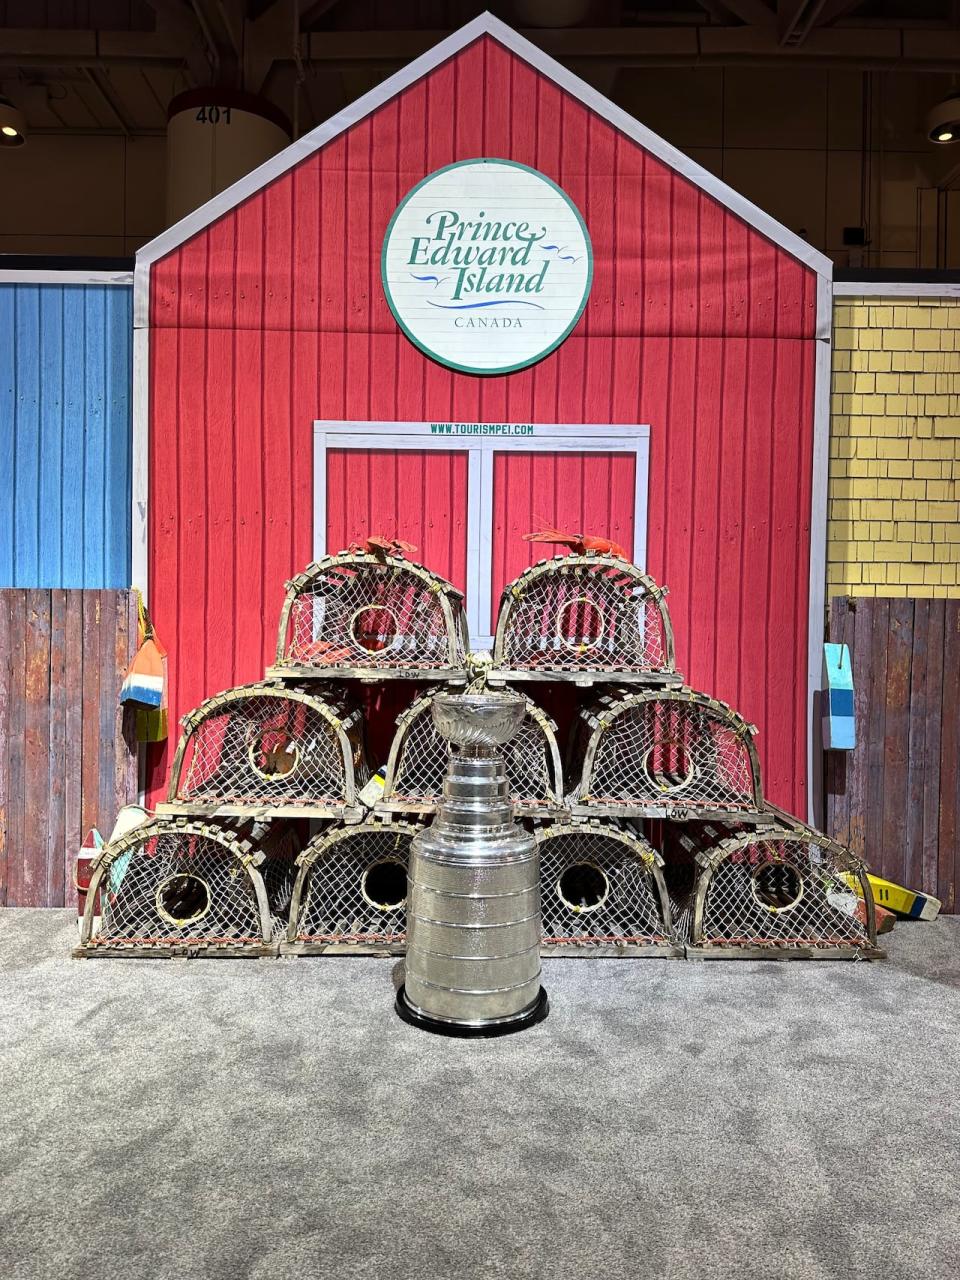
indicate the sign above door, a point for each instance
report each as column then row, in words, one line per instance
column 487, row 266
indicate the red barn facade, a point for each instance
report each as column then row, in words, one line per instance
column 281, row 411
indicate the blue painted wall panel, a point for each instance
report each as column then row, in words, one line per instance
column 71, row 510
column 65, row 435
column 51, row 474
column 119, row 375
column 7, row 402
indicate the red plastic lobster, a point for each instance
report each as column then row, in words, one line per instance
column 377, row 545
column 579, row 542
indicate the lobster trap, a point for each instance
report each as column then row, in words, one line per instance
column 788, row 892
column 350, row 894
column 584, row 618
column 274, row 750
column 418, row 759
column 177, row 887
column 602, row 892
column 371, row 617
column 667, row 753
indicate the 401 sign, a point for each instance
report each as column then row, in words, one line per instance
column 487, row 265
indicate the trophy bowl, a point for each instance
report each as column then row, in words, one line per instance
column 478, row 719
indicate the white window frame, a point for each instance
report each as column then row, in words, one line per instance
column 628, row 438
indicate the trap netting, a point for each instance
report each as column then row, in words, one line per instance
column 418, row 760
column 351, row 888
column 783, row 888
column 582, row 614
column 172, row 884
column 362, row 614
column 601, row 885
column 670, row 753
column 264, row 746
column 278, row 871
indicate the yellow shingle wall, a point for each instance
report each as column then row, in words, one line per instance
column 894, row 499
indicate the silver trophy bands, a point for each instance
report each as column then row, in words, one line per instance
column 473, row 910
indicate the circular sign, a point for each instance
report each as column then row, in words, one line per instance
column 487, row 265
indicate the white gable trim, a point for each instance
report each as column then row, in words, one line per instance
column 486, row 24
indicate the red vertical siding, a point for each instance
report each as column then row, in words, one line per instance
column 420, row 496
column 697, row 325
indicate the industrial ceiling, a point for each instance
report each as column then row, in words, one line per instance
column 109, row 66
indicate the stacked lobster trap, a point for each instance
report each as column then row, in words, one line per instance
column 783, row 888
column 730, row 875
column 666, row 753
column 585, row 618
column 371, row 616
column 264, row 835
column 282, row 751
column 654, row 835
column 177, row 886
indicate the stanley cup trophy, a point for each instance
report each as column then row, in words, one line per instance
column 473, row 907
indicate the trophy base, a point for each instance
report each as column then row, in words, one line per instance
column 483, row 1027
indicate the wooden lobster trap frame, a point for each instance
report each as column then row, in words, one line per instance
column 176, row 887
column 271, row 750
column 667, row 753
column 350, row 894
column 418, row 759
column 584, row 618
column 602, row 892
column 357, row 615
column 785, row 892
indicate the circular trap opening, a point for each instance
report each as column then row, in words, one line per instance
column 777, row 886
column 580, row 623
column 668, row 765
column 182, row 899
column 583, row 887
column 273, row 754
column 374, row 628
column 384, row 885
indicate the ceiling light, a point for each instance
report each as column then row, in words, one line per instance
column 13, row 129
column 943, row 120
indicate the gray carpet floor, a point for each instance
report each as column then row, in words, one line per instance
column 272, row 1119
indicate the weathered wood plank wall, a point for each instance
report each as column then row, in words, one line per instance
column 895, row 799
column 65, row 765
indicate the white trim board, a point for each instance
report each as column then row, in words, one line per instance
column 485, row 24
column 13, row 275
column 140, row 462
column 819, row 487
column 893, row 289
column 630, row 438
